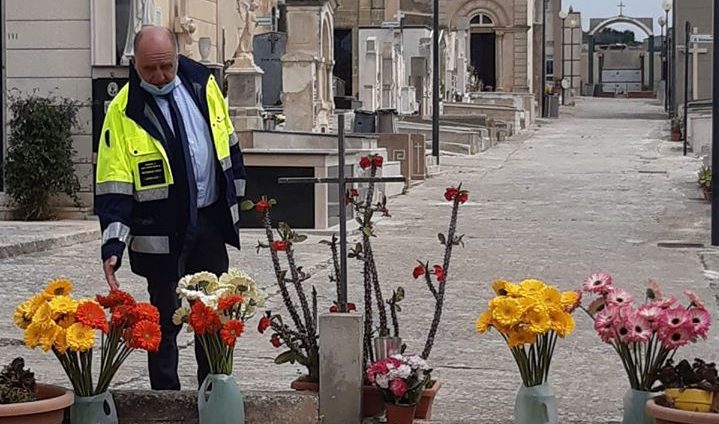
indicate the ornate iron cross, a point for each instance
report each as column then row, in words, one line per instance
column 341, row 182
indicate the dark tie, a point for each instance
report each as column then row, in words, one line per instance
column 181, row 139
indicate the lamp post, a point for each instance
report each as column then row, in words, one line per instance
column 563, row 16
column 543, row 83
column 667, row 6
column 435, row 81
column 662, row 21
column 715, row 130
column 572, row 24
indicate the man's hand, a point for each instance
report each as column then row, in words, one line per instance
column 109, row 267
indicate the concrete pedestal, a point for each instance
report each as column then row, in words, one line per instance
column 244, row 92
column 341, row 368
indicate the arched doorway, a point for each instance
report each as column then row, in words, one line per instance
column 483, row 50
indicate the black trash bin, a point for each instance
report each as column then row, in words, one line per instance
column 365, row 121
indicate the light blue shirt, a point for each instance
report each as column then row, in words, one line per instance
column 200, row 142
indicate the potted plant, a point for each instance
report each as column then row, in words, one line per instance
column 676, row 128
column 691, row 394
column 530, row 316
column 704, row 179
column 54, row 320
column 644, row 335
column 218, row 309
column 24, row 400
column 400, row 379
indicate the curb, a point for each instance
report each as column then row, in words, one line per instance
column 41, row 245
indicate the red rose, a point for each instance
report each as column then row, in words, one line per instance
column 439, row 272
column 264, row 324
column 365, row 162
column 463, row 196
column 262, row 206
column 279, row 245
column 334, row 309
column 451, row 193
column 398, row 387
column 275, row 340
column 418, row 271
column 378, row 161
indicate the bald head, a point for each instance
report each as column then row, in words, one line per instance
column 156, row 55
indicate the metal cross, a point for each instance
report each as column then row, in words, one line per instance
column 341, row 182
column 621, row 8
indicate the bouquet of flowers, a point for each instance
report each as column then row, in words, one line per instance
column 400, row 378
column 530, row 316
column 54, row 320
column 644, row 335
column 218, row 309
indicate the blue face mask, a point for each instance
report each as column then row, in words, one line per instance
column 152, row 89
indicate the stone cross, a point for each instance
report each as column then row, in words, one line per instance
column 621, row 6
column 341, row 182
column 695, row 52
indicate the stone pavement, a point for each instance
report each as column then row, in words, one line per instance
column 596, row 189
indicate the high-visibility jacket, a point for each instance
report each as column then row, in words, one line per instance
column 140, row 201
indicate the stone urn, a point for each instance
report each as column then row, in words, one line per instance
column 664, row 415
column 48, row 409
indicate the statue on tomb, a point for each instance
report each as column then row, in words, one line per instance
column 142, row 13
column 244, row 54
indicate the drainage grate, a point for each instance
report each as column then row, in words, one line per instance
column 680, row 245
column 652, row 172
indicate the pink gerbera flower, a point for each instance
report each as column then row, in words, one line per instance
column 694, row 299
column 656, row 291
column 619, row 297
column 665, row 303
column 599, row 282
column 673, row 338
column 604, row 324
column 701, row 320
column 676, row 317
column 640, row 330
column 651, row 314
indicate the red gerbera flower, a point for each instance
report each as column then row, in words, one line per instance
column 377, row 161
column 365, row 162
column 122, row 315
column 145, row 335
column 264, row 324
column 92, row 315
column 116, row 298
column 203, row 319
column 231, row 331
column 229, row 301
column 418, row 271
column 262, row 205
column 463, row 196
column 439, row 273
column 275, row 340
column 279, row 245
column 450, row 193
column 145, row 312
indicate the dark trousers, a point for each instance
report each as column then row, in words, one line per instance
column 204, row 250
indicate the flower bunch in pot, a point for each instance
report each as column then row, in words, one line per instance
column 55, row 321
column 704, row 179
column 531, row 316
column 24, row 400
column 644, row 335
column 218, row 309
column 400, row 379
column 691, row 394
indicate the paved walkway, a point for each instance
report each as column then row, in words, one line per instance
column 597, row 189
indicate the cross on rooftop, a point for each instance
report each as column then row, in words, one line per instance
column 621, row 6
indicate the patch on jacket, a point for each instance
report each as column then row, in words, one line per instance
column 152, row 172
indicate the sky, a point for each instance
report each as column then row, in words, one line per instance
column 609, row 8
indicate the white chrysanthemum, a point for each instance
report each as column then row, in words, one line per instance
column 416, row 362
column 180, row 315
column 404, row 371
column 237, row 279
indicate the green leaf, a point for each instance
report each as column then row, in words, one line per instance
column 284, row 357
column 359, row 221
column 442, row 239
column 400, row 294
column 327, row 242
column 300, row 238
column 367, row 231
column 247, row 205
column 302, row 360
column 397, row 307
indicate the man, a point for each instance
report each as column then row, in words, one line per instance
column 169, row 174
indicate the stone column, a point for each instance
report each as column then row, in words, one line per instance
column 651, row 62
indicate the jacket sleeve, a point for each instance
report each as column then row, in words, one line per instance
column 113, row 187
column 238, row 165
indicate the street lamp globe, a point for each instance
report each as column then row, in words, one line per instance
column 573, row 23
column 662, row 21
column 563, row 14
column 667, row 5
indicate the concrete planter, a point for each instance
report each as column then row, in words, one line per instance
column 49, row 409
column 305, row 383
column 665, row 415
column 424, row 407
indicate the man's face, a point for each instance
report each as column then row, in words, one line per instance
column 156, row 61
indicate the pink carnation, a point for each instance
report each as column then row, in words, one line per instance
column 598, row 282
column 673, row 338
column 694, row 299
column 619, row 297
column 398, row 387
column 701, row 320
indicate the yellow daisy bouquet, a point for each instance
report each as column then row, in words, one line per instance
column 55, row 321
column 530, row 316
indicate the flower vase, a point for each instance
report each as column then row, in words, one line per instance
column 384, row 347
column 98, row 409
column 535, row 405
column 219, row 400
column 399, row 414
column 635, row 402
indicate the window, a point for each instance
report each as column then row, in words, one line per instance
column 550, row 66
column 481, row 19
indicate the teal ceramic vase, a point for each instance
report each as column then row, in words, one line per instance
column 535, row 405
column 635, row 403
column 98, row 409
column 219, row 400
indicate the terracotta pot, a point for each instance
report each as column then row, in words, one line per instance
column 424, row 407
column 707, row 195
column 399, row 414
column 48, row 409
column 372, row 402
column 305, row 383
column 665, row 415
column 676, row 135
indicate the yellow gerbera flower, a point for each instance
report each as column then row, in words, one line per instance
column 31, row 305
column 570, row 300
column 506, row 311
column 66, row 321
column 561, row 321
column 531, row 287
column 61, row 342
column 484, row 322
column 519, row 337
column 59, row 287
column 32, row 335
column 551, row 296
column 48, row 336
column 43, row 315
column 537, row 320
column 20, row 319
column 80, row 338
column 62, row 305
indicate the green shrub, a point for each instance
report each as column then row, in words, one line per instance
column 704, row 178
column 39, row 157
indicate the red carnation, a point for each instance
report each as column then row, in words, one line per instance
column 264, row 324
column 418, row 271
column 439, row 272
column 262, row 206
column 279, row 245
column 275, row 340
column 463, row 196
column 365, row 162
column 378, row 161
column 451, row 193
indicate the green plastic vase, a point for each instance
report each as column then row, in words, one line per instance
column 98, row 409
column 535, row 405
column 635, row 403
column 219, row 400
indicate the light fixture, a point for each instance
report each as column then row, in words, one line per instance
column 667, row 5
column 573, row 23
column 661, row 21
column 563, row 14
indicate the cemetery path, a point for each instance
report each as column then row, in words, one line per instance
column 596, row 189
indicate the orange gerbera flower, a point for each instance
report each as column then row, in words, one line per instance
column 145, row 312
column 229, row 301
column 123, row 315
column 145, row 335
column 92, row 315
column 115, row 299
column 203, row 319
column 231, row 331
